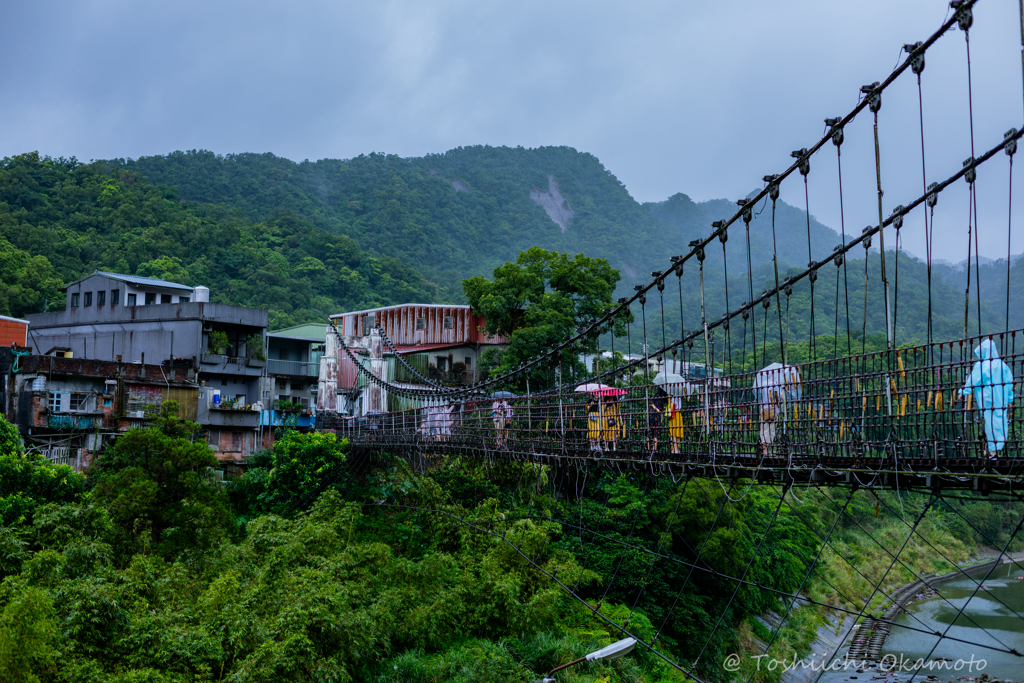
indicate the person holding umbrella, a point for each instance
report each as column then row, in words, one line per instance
column 655, row 412
column 776, row 385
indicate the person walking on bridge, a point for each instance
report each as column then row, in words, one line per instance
column 991, row 386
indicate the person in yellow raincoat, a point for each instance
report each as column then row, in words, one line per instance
column 594, row 422
column 675, row 422
column 611, row 423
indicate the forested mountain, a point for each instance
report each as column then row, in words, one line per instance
column 60, row 220
column 310, row 238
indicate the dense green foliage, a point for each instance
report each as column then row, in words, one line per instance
column 157, row 486
column 322, row 569
column 60, row 220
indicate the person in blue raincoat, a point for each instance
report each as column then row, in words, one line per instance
column 991, row 382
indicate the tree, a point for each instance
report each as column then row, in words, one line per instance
column 301, row 466
column 158, row 487
column 540, row 300
column 28, row 480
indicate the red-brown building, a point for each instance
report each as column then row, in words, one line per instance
column 13, row 331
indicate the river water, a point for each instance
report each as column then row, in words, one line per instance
column 988, row 620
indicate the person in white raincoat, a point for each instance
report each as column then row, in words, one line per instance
column 991, row 384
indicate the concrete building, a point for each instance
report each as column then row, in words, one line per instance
column 441, row 342
column 144, row 321
column 293, row 365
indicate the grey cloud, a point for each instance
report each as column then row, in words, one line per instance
column 701, row 98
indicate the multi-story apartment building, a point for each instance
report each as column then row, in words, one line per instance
column 140, row 321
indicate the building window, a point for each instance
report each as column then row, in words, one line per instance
column 468, row 361
column 88, row 298
column 115, row 296
column 150, row 298
column 101, row 297
column 55, row 401
column 367, row 324
column 74, row 300
column 449, row 322
column 421, row 323
column 77, row 401
column 107, row 402
column 131, row 299
column 165, row 298
column 183, row 299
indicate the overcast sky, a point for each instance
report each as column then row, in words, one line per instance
column 696, row 97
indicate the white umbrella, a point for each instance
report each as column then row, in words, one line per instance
column 673, row 384
column 777, row 383
column 591, row 386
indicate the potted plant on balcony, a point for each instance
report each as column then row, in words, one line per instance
column 289, row 407
column 256, row 351
column 217, row 344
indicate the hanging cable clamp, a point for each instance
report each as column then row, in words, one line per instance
column 971, row 173
column 1010, row 144
column 838, row 260
column 773, row 186
column 723, row 236
column 643, row 297
column 933, row 196
column 964, row 14
column 837, row 130
column 748, row 213
column 805, row 160
column 788, row 290
column 746, row 310
column 725, row 321
column 813, row 275
column 897, row 216
column 874, row 96
column 660, row 282
column 916, row 57
column 867, row 240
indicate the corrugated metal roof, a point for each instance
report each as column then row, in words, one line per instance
column 389, row 308
column 143, row 281
column 309, row 332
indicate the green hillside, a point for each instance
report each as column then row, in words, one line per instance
column 60, row 220
column 310, row 238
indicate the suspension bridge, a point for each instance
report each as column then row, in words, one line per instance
column 929, row 415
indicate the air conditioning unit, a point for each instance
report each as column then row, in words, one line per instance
column 138, row 414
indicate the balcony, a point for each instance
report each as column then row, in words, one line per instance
column 228, row 417
column 231, row 365
column 293, row 367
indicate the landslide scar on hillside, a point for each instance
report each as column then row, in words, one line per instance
column 558, row 208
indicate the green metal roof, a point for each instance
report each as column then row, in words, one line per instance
column 312, row 331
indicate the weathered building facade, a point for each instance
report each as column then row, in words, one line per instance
column 293, row 365
column 69, row 408
column 147, row 322
column 443, row 343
